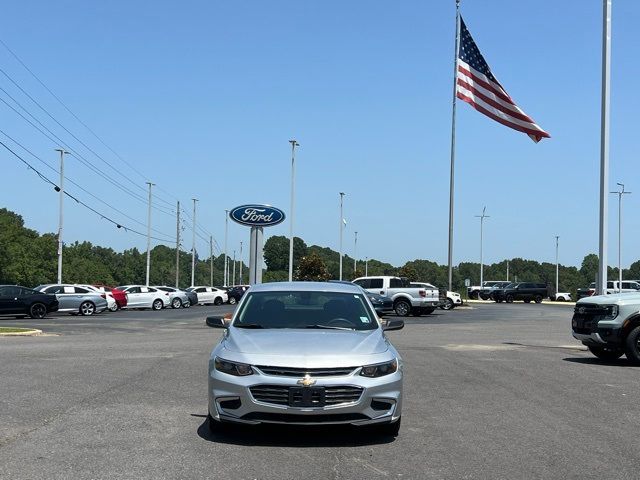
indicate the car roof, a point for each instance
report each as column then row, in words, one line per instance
column 306, row 287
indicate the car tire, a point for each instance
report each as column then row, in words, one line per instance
column 232, row 301
column 537, row 299
column 389, row 429
column 609, row 354
column 527, row 300
column 448, row 305
column 37, row 311
column 87, row 309
column 113, row 308
column 560, row 299
column 509, row 299
column 402, row 308
column 176, row 303
column 157, row 304
column 632, row 346
column 217, row 301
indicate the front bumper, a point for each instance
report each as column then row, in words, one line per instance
column 428, row 303
column 230, row 399
column 592, row 332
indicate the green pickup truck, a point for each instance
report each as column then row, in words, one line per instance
column 609, row 325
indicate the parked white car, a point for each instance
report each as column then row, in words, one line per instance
column 140, row 296
column 210, row 295
column 407, row 299
column 562, row 297
column 453, row 298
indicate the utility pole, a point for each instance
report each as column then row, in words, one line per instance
column 226, row 232
column 366, row 266
column 342, row 194
column 601, row 284
column 355, row 253
column 211, row 258
column 149, row 235
column 507, row 270
column 234, row 268
column 178, row 245
column 482, row 217
column 620, row 193
column 193, row 246
column 294, row 144
column 240, row 263
column 557, row 265
column 61, row 214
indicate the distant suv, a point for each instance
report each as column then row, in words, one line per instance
column 628, row 286
column 521, row 291
column 609, row 325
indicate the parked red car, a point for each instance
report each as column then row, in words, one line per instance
column 119, row 296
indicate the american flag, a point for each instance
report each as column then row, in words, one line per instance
column 476, row 85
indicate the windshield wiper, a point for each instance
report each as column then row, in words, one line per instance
column 248, row 325
column 329, row 327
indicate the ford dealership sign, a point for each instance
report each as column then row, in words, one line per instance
column 257, row 215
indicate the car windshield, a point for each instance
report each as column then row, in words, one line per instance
column 305, row 309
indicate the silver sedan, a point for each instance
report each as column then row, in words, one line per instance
column 305, row 353
column 76, row 299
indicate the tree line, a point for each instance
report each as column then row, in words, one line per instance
column 30, row 259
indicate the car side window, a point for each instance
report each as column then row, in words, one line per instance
column 55, row 289
column 134, row 290
column 375, row 283
column 364, row 283
column 610, row 285
column 81, row 290
column 201, row 290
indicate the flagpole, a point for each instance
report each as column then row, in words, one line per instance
column 453, row 144
column 601, row 284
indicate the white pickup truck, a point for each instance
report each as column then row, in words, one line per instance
column 406, row 299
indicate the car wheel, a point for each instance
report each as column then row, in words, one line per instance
column 606, row 353
column 389, row 429
column 632, row 346
column 537, row 299
column 499, row 300
column 232, row 301
column 87, row 309
column 113, row 308
column 484, row 297
column 176, row 303
column 157, row 304
column 509, row 299
column 37, row 310
column 186, row 304
column 402, row 308
column 218, row 301
column 448, row 304
column 527, row 300
column 560, row 299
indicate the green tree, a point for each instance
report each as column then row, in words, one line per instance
column 313, row 269
column 276, row 252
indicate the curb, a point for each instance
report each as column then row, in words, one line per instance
column 29, row 333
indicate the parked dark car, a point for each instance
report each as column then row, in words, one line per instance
column 381, row 303
column 524, row 291
column 236, row 293
column 22, row 301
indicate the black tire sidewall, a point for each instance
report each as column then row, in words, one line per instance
column 156, row 302
column 35, row 305
column 631, row 346
column 400, row 302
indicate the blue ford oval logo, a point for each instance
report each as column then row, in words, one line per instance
column 257, row 215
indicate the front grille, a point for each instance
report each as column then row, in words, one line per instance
column 293, row 418
column 281, row 395
column 589, row 309
column 585, row 318
column 301, row 372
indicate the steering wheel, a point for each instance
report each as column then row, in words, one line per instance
column 341, row 320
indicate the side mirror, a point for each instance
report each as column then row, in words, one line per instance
column 216, row 322
column 393, row 325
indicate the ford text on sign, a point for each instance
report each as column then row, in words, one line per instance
column 257, row 215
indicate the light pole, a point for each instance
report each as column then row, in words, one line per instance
column 620, row 193
column 61, row 215
column 294, row 144
column 193, row 246
column 226, row 232
column 342, row 194
column 233, row 276
column 149, row 235
column 482, row 217
column 507, row 270
column 557, row 270
column 240, row 274
column 366, row 266
column 355, row 253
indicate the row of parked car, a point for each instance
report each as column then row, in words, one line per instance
column 80, row 299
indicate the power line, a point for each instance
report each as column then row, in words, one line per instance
column 59, row 100
column 77, row 200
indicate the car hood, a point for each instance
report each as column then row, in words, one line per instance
column 629, row 297
column 305, row 344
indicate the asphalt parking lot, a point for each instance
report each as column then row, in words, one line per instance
column 497, row 391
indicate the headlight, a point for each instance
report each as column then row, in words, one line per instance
column 232, row 368
column 612, row 312
column 380, row 369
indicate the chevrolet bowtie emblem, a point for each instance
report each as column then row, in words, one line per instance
column 306, row 381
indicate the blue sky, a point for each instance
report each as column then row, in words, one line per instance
column 202, row 98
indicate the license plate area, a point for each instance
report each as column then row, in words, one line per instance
column 306, row 397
